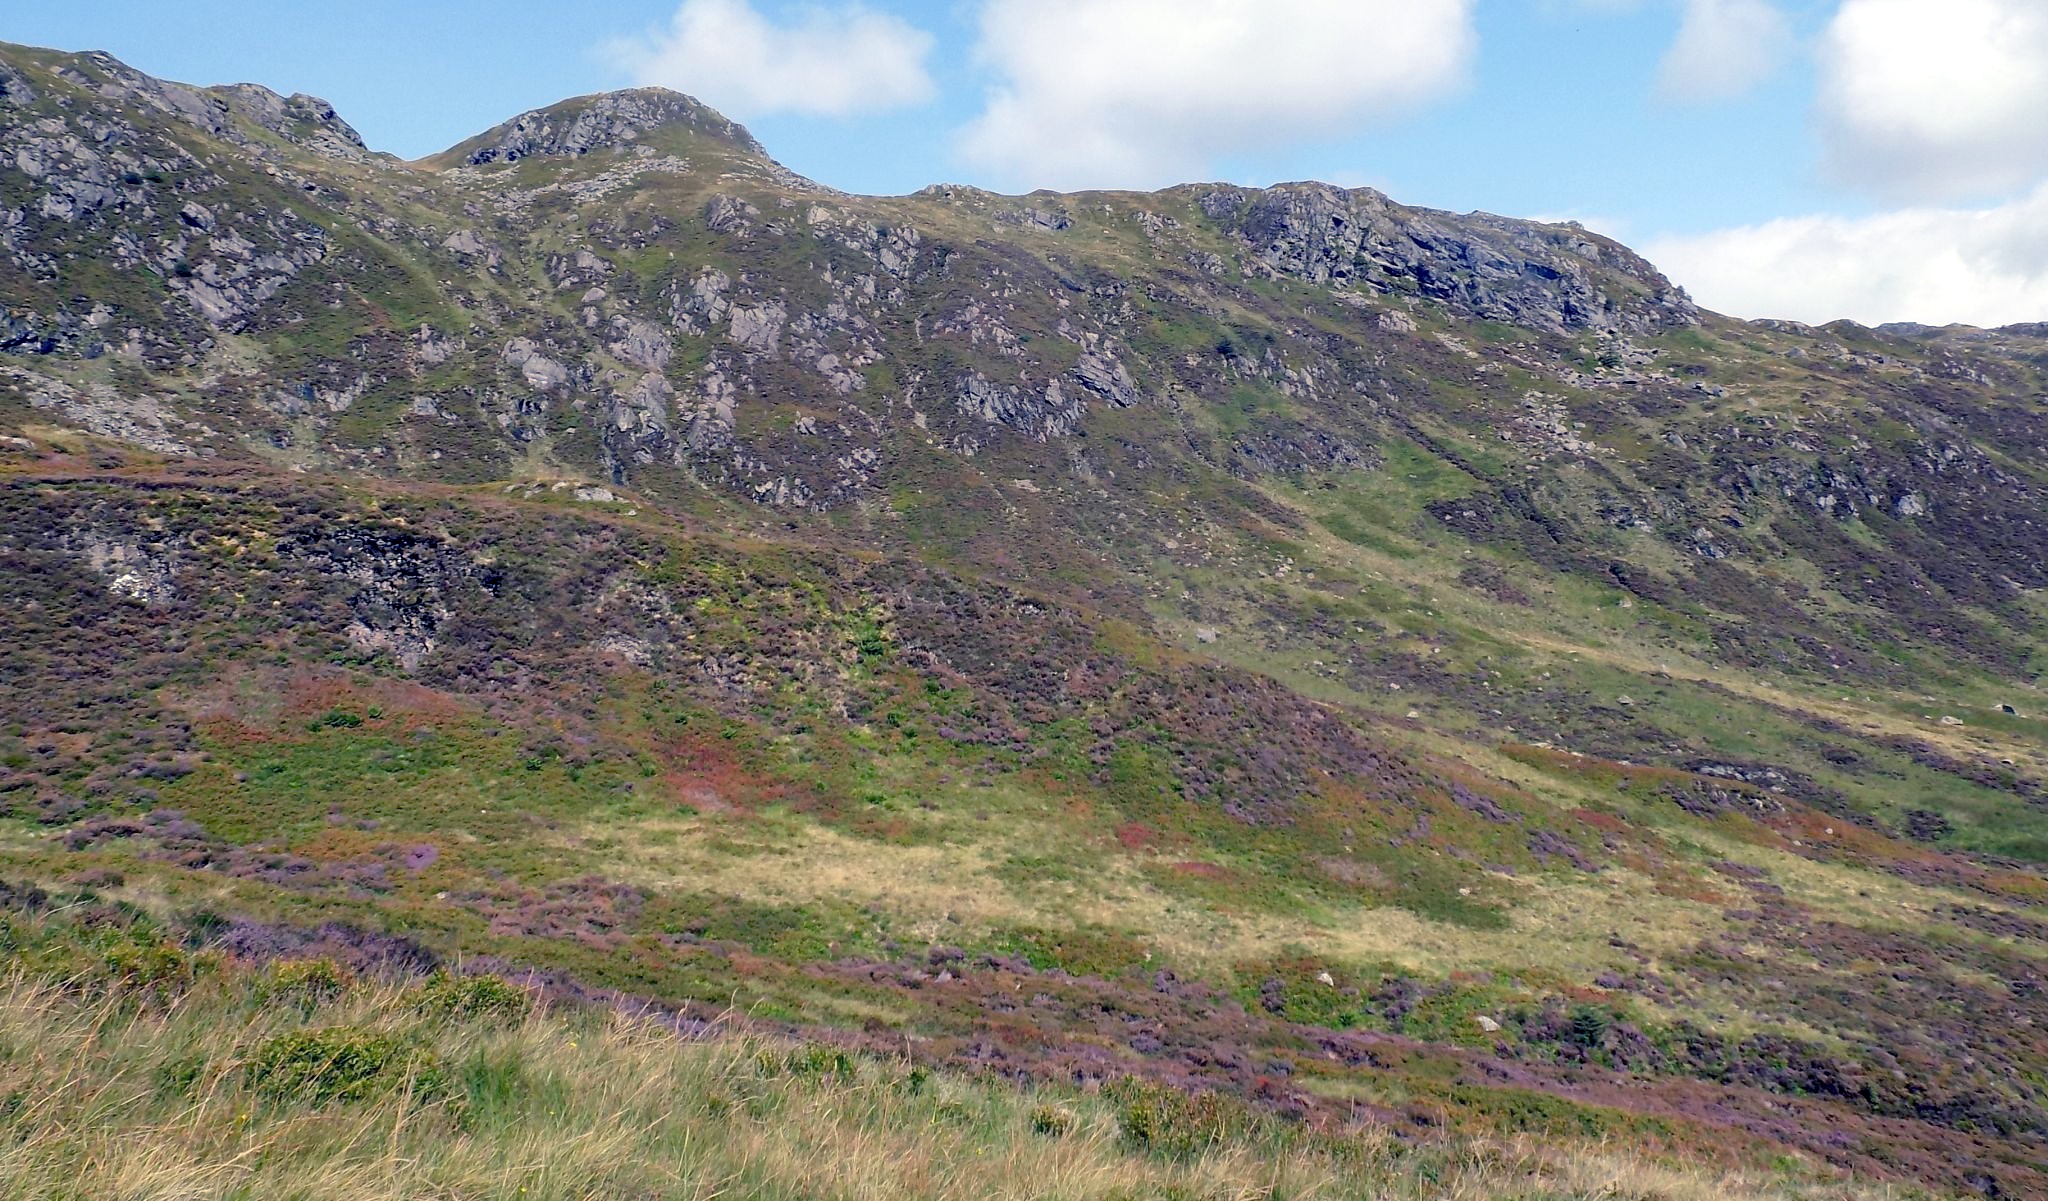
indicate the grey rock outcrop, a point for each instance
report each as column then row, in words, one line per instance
column 610, row 121
column 402, row 586
column 14, row 89
column 300, row 119
column 540, row 372
column 641, row 343
column 1556, row 278
column 1054, row 413
column 1106, row 377
column 127, row 567
column 143, row 420
column 759, row 329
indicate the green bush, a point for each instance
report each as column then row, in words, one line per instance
column 1086, row 951
column 306, row 983
column 1053, row 1121
column 810, row 1060
column 475, row 998
column 1170, row 1122
column 342, row 1064
column 1590, row 1024
column 149, row 965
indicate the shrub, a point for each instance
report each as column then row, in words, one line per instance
column 341, row 1064
column 475, row 998
column 1053, row 1121
column 149, row 965
column 810, row 1060
column 1170, row 1122
column 1590, row 1024
column 304, row 982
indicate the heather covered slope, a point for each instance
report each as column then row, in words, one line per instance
column 1403, row 671
column 300, row 1078
column 857, row 794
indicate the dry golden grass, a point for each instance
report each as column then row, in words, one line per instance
column 950, row 892
column 114, row 1100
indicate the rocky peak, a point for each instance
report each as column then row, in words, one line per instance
column 306, row 121
column 608, row 121
column 1549, row 277
column 300, row 119
column 112, row 79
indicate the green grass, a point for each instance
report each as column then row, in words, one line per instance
column 197, row 1086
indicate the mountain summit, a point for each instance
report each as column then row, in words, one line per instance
column 609, row 121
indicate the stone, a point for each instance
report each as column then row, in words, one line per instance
column 711, row 422
column 14, row 89
column 540, row 372
column 1052, row 414
column 304, row 120
column 759, row 329
column 543, row 374
column 1107, row 378
column 725, row 214
column 642, row 343
column 609, row 122
column 127, row 567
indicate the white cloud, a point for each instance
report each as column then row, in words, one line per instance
column 1724, row 48
column 1984, row 267
column 1937, row 99
column 1143, row 93
column 829, row 62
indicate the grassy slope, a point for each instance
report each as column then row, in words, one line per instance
column 134, row 1069
column 812, row 839
column 795, row 815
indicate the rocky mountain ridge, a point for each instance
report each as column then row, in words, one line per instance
column 625, row 287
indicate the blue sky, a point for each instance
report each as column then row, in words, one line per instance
column 1746, row 143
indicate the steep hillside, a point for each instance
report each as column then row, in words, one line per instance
column 1403, row 671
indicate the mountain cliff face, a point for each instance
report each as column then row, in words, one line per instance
column 1383, row 618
